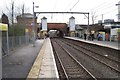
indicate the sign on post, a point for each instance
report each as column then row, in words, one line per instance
column 3, row 27
column 0, row 54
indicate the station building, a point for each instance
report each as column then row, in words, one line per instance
column 113, row 28
column 26, row 20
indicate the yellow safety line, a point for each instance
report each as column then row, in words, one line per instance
column 34, row 72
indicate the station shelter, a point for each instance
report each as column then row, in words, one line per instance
column 113, row 29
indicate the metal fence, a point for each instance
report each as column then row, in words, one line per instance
column 14, row 42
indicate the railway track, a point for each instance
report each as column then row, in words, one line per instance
column 72, row 68
column 106, row 68
column 102, row 51
column 112, row 63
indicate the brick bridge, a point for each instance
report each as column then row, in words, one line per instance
column 61, row 27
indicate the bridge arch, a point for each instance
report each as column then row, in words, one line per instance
column 60, row 27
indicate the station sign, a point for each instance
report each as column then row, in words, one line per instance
column 3, row 27
column 26, row 30
column 118, row 30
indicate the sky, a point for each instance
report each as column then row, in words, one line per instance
column 103, row 9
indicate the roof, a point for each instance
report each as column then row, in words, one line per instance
column 112, row 23
column 44, row 17
column 25, row 15
column 78, row 26
column 72, row 17
column 96, row 27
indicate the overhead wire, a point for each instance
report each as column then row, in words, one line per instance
column 108, row 7
column 105, row 9
column 74, row 5
column 101, row 9
column 69, row 5
column 54, row 9
column 103, row 5
column 108, row 12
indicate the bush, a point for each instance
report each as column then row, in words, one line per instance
column 16, row 30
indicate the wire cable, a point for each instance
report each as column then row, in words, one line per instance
column 74, row 5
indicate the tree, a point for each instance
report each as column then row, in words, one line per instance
column 17, row 29
column 10, row 10
column 14, row 11
column 5, row 19
column 93, row 16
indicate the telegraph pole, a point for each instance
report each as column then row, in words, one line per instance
column 12, row 12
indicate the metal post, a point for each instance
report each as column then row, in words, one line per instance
column 26, row 39
column 102, row 18
column 33, row 26
column 88, row 29
column 88, row 20
column 7, row 43
column 26, row 36
column 118, row 10
column 0, row 55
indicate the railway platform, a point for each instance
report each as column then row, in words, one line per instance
column 44, row 66
column 113, row 45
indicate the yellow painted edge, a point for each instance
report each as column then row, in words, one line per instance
column 34, row 72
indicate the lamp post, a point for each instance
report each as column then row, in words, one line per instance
column 87, row 16
column 33, row 29
column 118, row 10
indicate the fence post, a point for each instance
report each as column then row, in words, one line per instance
column 11, row 42
column 20, row 40
column 26, row 35
column 26, row 38
column 0, row 54
column 7, row 43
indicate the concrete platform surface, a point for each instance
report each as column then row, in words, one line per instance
column 113, row 45
column 19, row 62
column 45, row 66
